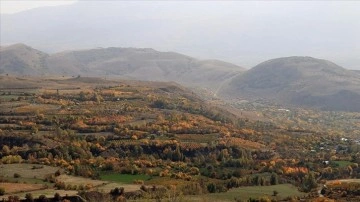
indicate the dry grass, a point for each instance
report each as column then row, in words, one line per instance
column 127, row 187
column 47, row 192
column 19, row 187
column 73, row 180
column 26, row 171
column 39, row 108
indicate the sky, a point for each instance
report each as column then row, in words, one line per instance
column 245, row 33
column 15, row 6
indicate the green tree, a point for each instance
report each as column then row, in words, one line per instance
column 211, row 187
column 274, row 179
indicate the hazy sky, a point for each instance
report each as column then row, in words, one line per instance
column 242, row 32
column 14, row 6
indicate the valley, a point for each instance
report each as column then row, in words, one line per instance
column 179, row 101
column 139, row 140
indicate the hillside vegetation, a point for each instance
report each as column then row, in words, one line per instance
column 161, row 138
column 298, row 81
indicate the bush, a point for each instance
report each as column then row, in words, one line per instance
column 57, row 197
column 2, row 191
column 17, row 175
column 211, row 188
column 43, row 198
column 29, row 197
column 117, row 191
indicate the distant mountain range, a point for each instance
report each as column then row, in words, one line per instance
column 128, row 63
column 296, row 81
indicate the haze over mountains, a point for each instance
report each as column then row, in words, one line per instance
column 128, row 63
column 241, row 32
column 297, row 81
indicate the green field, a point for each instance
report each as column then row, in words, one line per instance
column 123, row 178
column 342, row 163
column 244, row 193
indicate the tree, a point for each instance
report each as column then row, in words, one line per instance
column 211, row 187
column 97, row 98
column 29, row 197
column 57, row 197
column 177, row 155
column 82, row 96
column 17, row 175
column 5, row 150
column 2, row 191
column 117, row 192
column 309, row 182
column 274, row 179
column 43, row 198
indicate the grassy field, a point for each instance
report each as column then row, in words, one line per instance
column 26, row 180
column 127, row 187
column 342, row 163
column 26, row 170
column 164, row 181
column 244, row 193
column 74, row 180
column 123, row 178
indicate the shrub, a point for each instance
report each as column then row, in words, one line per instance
column 17, row 175
column 57, row 197
column 29, row 197
column 2, row 191
column 43, row 198
column 211, row 188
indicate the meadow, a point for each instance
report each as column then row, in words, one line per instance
column 245, row 193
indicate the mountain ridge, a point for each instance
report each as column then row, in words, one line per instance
column 129, row 63
column 299, row 81
column 296, row 80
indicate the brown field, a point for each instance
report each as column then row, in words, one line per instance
column 19, row 187
column 47, row 192
column 73, row 180
column 26, row 171
column 127, row 187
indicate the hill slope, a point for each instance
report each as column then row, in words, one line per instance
column 21, row 59
column 301, row 81
column 131, row 63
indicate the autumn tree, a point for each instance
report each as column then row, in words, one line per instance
column 309, row 182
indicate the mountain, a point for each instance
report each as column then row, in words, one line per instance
column 130, row 63
column 299, row 81
column 21, row 59
column 243, row 32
